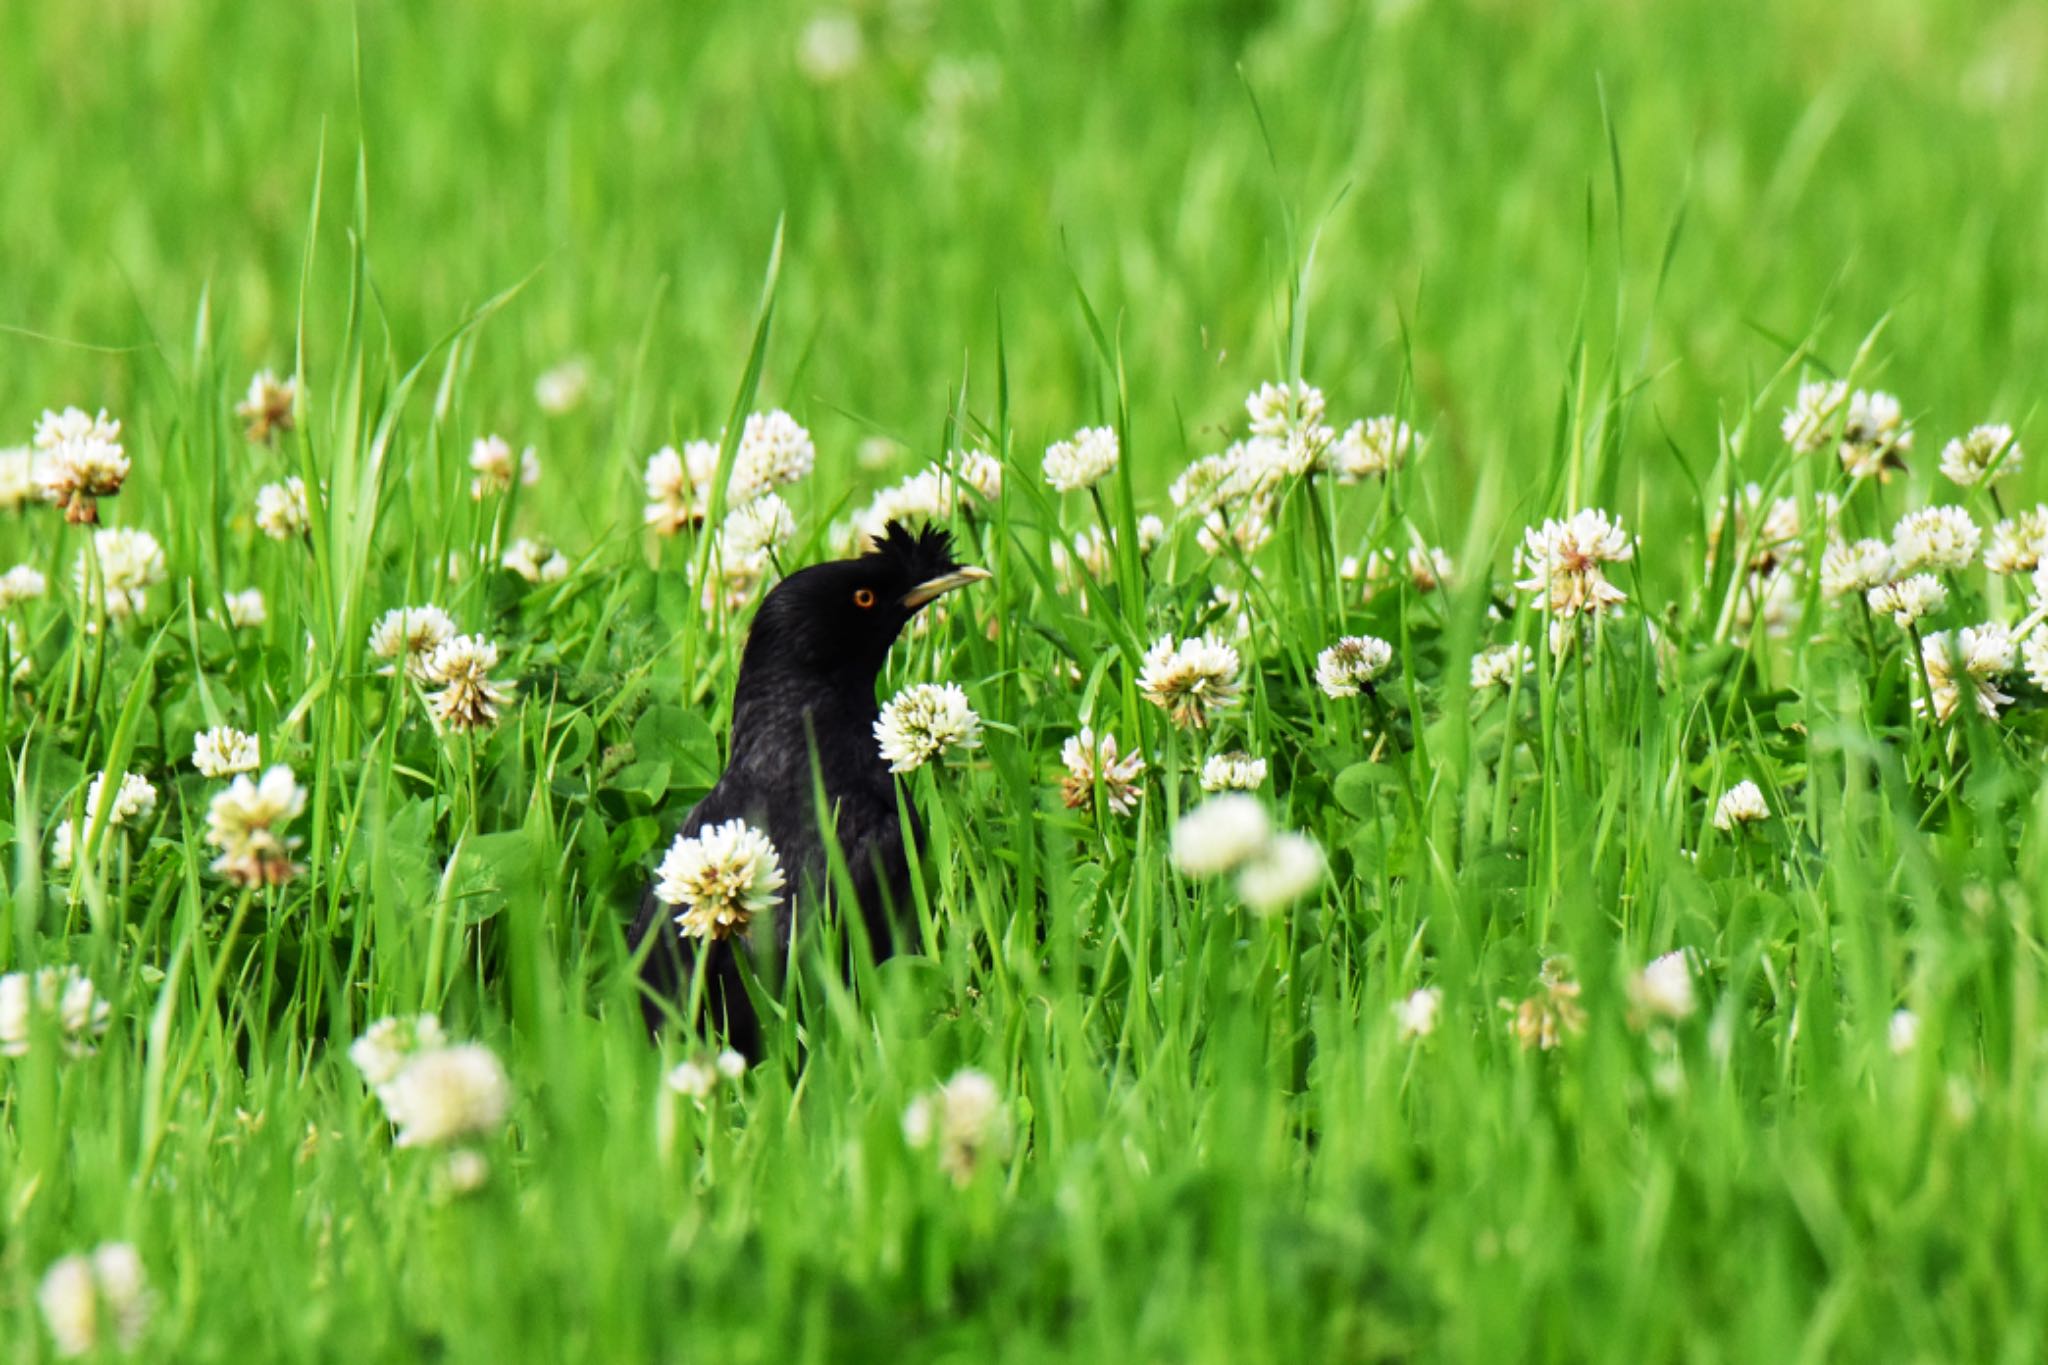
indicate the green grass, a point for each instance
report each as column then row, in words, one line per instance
column 1588, row 250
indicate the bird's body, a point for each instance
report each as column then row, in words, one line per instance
column 803, row 722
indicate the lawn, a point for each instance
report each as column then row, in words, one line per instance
column 1528, row 1032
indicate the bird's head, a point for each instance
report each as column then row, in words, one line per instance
column 838, row 619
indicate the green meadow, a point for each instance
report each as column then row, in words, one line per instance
column 1568, row 1053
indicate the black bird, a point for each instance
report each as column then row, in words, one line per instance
column 807, row 684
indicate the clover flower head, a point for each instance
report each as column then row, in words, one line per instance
column 446, row 1094
column 408, row 636
column 963, row 1119
column 82, row 461
column 1416, row 1013
column 1499, row 665
column 1373, row 449
column 720, row 878
column 1088, row 760
column 1287, row 867
column 1875, row 434
column 2018, row 544
column 678, row 485
column 94, row 1300
column 245, row 609
column 224, row 751
column 1909, row 599
column 267, row 408
column 1190, row 679
column 130, row 563
column 1354, row 663
column 1235, row 771
column 1563, row 559
column 923, row 721
column 496, row 469
column 387, row 1045
column 468, row 699
column 1664, row 988
column 774, row 450
column 1987, row 452
column 1220, row 835
column 63, row 995
column 246, row 822
column 1853, row 569
column 22, row 583
column 1935, row 538
column 281, row 509
column 536, row 561
column 1082, row 461
column 1543, row 1021
column 19, row 485
column 1810, row 421
column 1742, row 804
column 562, row 388
column 1974, row 658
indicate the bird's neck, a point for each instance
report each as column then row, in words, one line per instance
column 778, row 718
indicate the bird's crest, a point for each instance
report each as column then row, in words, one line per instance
column 917, row 556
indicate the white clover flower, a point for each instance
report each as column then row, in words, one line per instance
column 82, row 462
column 131, row 562
column 829, row 48
column 1353, row 663
column 18, row 648
column 1499, row 665
column 692, row 1079
column 408, row 637
column 468, row 699
column 536, row 561
column 924, row 496
column 1427, row 568
column 1287, row 868
column 1809, row 422
column 923, row 721
column 1935, row 538
column 1088, row 760
column 1081, row 462
column 224, row 751
column 2035, row 652
column 246, row 821
column 720, row 877
column 1191, row 678
column 965, row 1118
column 1416, row 1013
column 64, row 996
column 387, row 1045
column 1278, row 410
column 281, row 509
column 1374, row 448
column 63, row 844
column 245, row 609
column 1664, row 989
column 561, row 388
column 1988, row 451
column 1910, row 599
column 1975, row 657
column 1244, row 528
column 268, row 407
column 1855, row 569
column 134, row 800
column 978, row 471
column 448, row 1093
column 1222, row 833
column 1236, row 771
column 491, row 458
column 1741, row 804
column 1875, row 434
column 774, row 449
column 1544, row 1020
column 755, row 529
column 22, row 583
column 1903, row 1033
column 94, row 1301
column 679, row 485
column 2019, row 544
column 1211, row 481
column 464, row 1171
column 19, row 466
column 1563, row 559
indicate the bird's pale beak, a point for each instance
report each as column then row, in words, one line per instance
column 943, row 584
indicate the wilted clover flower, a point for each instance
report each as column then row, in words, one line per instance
column 536, row 561
column 2019, row 544
column 1081, row 462
column 1663, row 989
column 1235, row 771
column 408, row 637
column 281, row 510
column 1854, row 569
column 923, row 721
column 268, row 407
column 1910, row 599
column 1220, row 834
column 1741, row 804
column 246, row 821
column 1974, row 657
column 1285, row 869
column 224, row 751
column 468, row 698
column 130, row 563
column 679, row 485
column 491, row 458
column 1563, row 559
column 1353, row 663
column 1988, row 452
column 245, row 608
column 19, row 466
column 1935, row 538
column 82, row 462
column 387, row 1045
column 964, row 1117
column 1875, row 434
column 22, row 583
column 774, row 449
column 1374, row 448
column 445, row 1094
column 562, row 387
column 1544, row 1020
column 1500, row 665
column 1088, row 759
column 1416, row 1013
column 720, row 878
column 63, row 995
column 95, row 1301
column 1809, row 422
column 1189, row 679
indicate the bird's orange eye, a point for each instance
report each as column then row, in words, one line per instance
column 863, row 598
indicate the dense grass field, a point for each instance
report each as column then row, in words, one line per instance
column 1589, row 253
